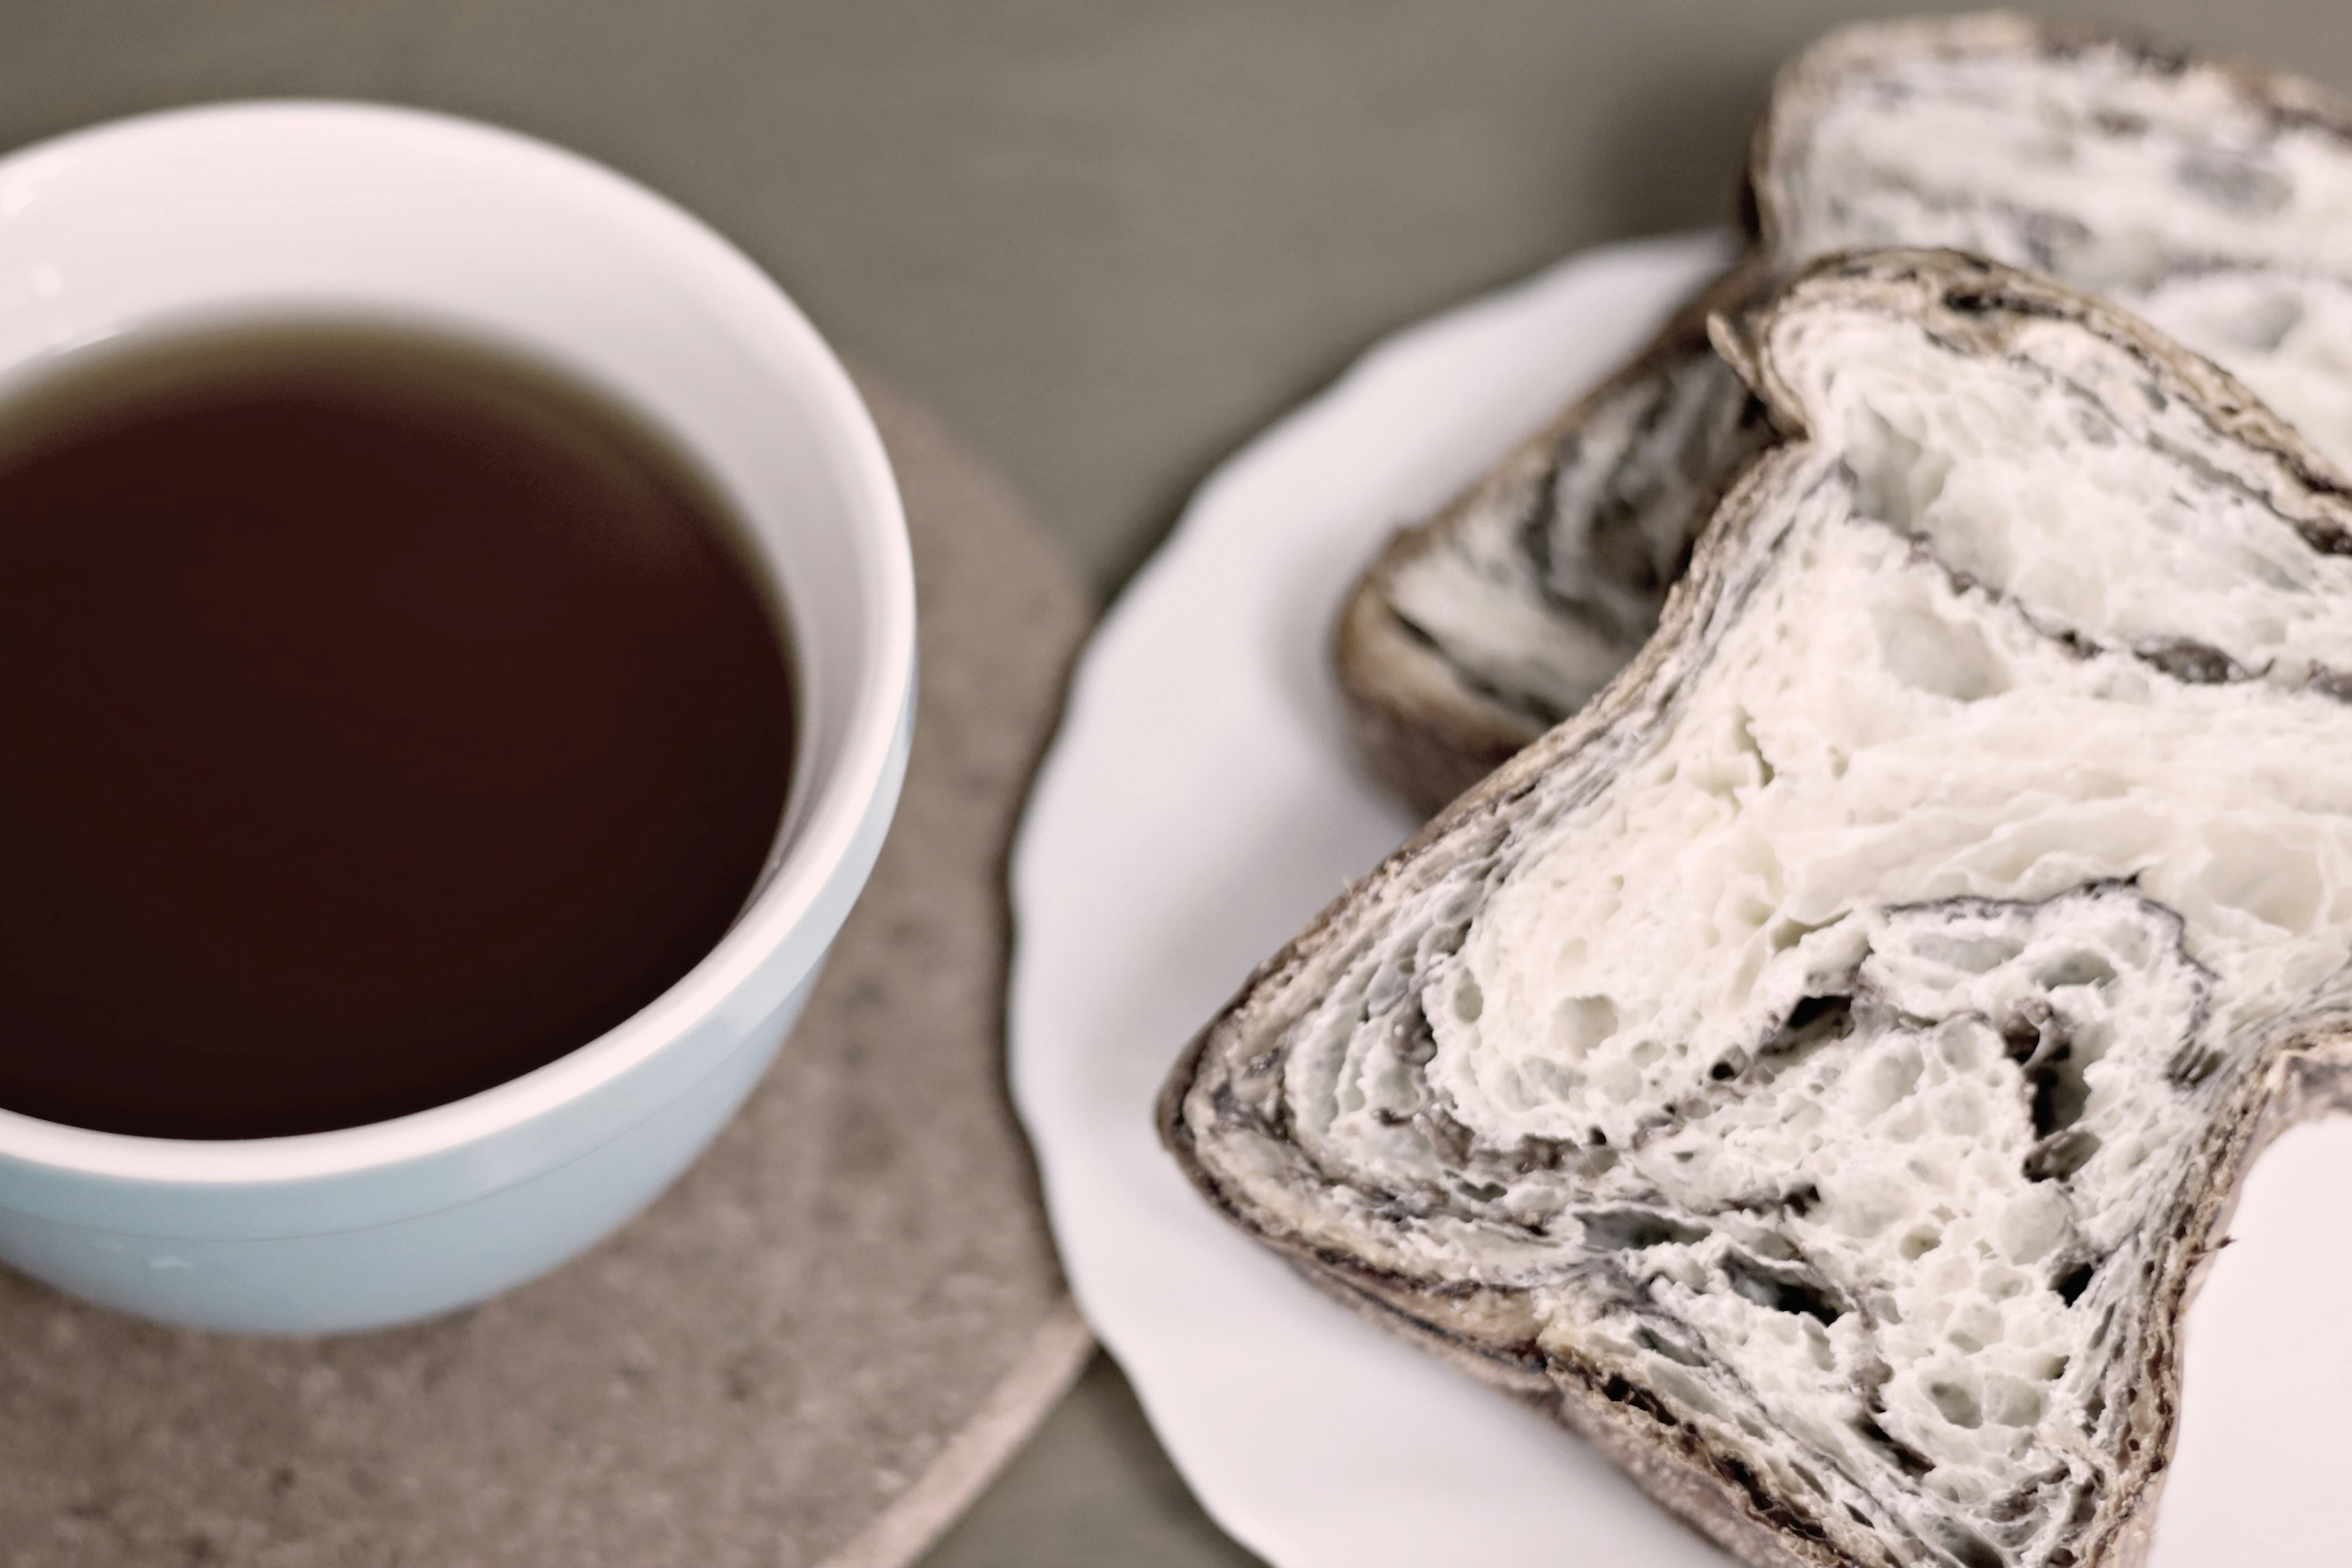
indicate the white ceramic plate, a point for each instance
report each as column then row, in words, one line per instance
column 1201, row 805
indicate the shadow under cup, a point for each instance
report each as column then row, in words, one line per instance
column 324, row 212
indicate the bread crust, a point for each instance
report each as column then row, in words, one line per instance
column 1493, row 1332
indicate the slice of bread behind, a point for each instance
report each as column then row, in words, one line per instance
column 1818, row 1071
column 2215, row 201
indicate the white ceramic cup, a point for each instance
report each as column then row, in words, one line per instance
column 311, row 211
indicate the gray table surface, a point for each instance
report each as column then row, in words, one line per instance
column 1104, row 239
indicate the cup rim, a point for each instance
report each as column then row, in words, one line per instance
column 838, row 804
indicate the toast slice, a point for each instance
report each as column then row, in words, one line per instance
column 1818, row 1071
column 2211, row 199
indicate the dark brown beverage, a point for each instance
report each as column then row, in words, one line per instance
column 380, row 718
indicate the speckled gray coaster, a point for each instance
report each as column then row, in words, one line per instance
column 813, row 1352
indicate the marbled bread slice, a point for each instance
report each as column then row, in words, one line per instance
column 2215, row 201
column 1818, row 1071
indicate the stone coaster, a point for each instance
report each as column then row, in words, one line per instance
column 814, row 1351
